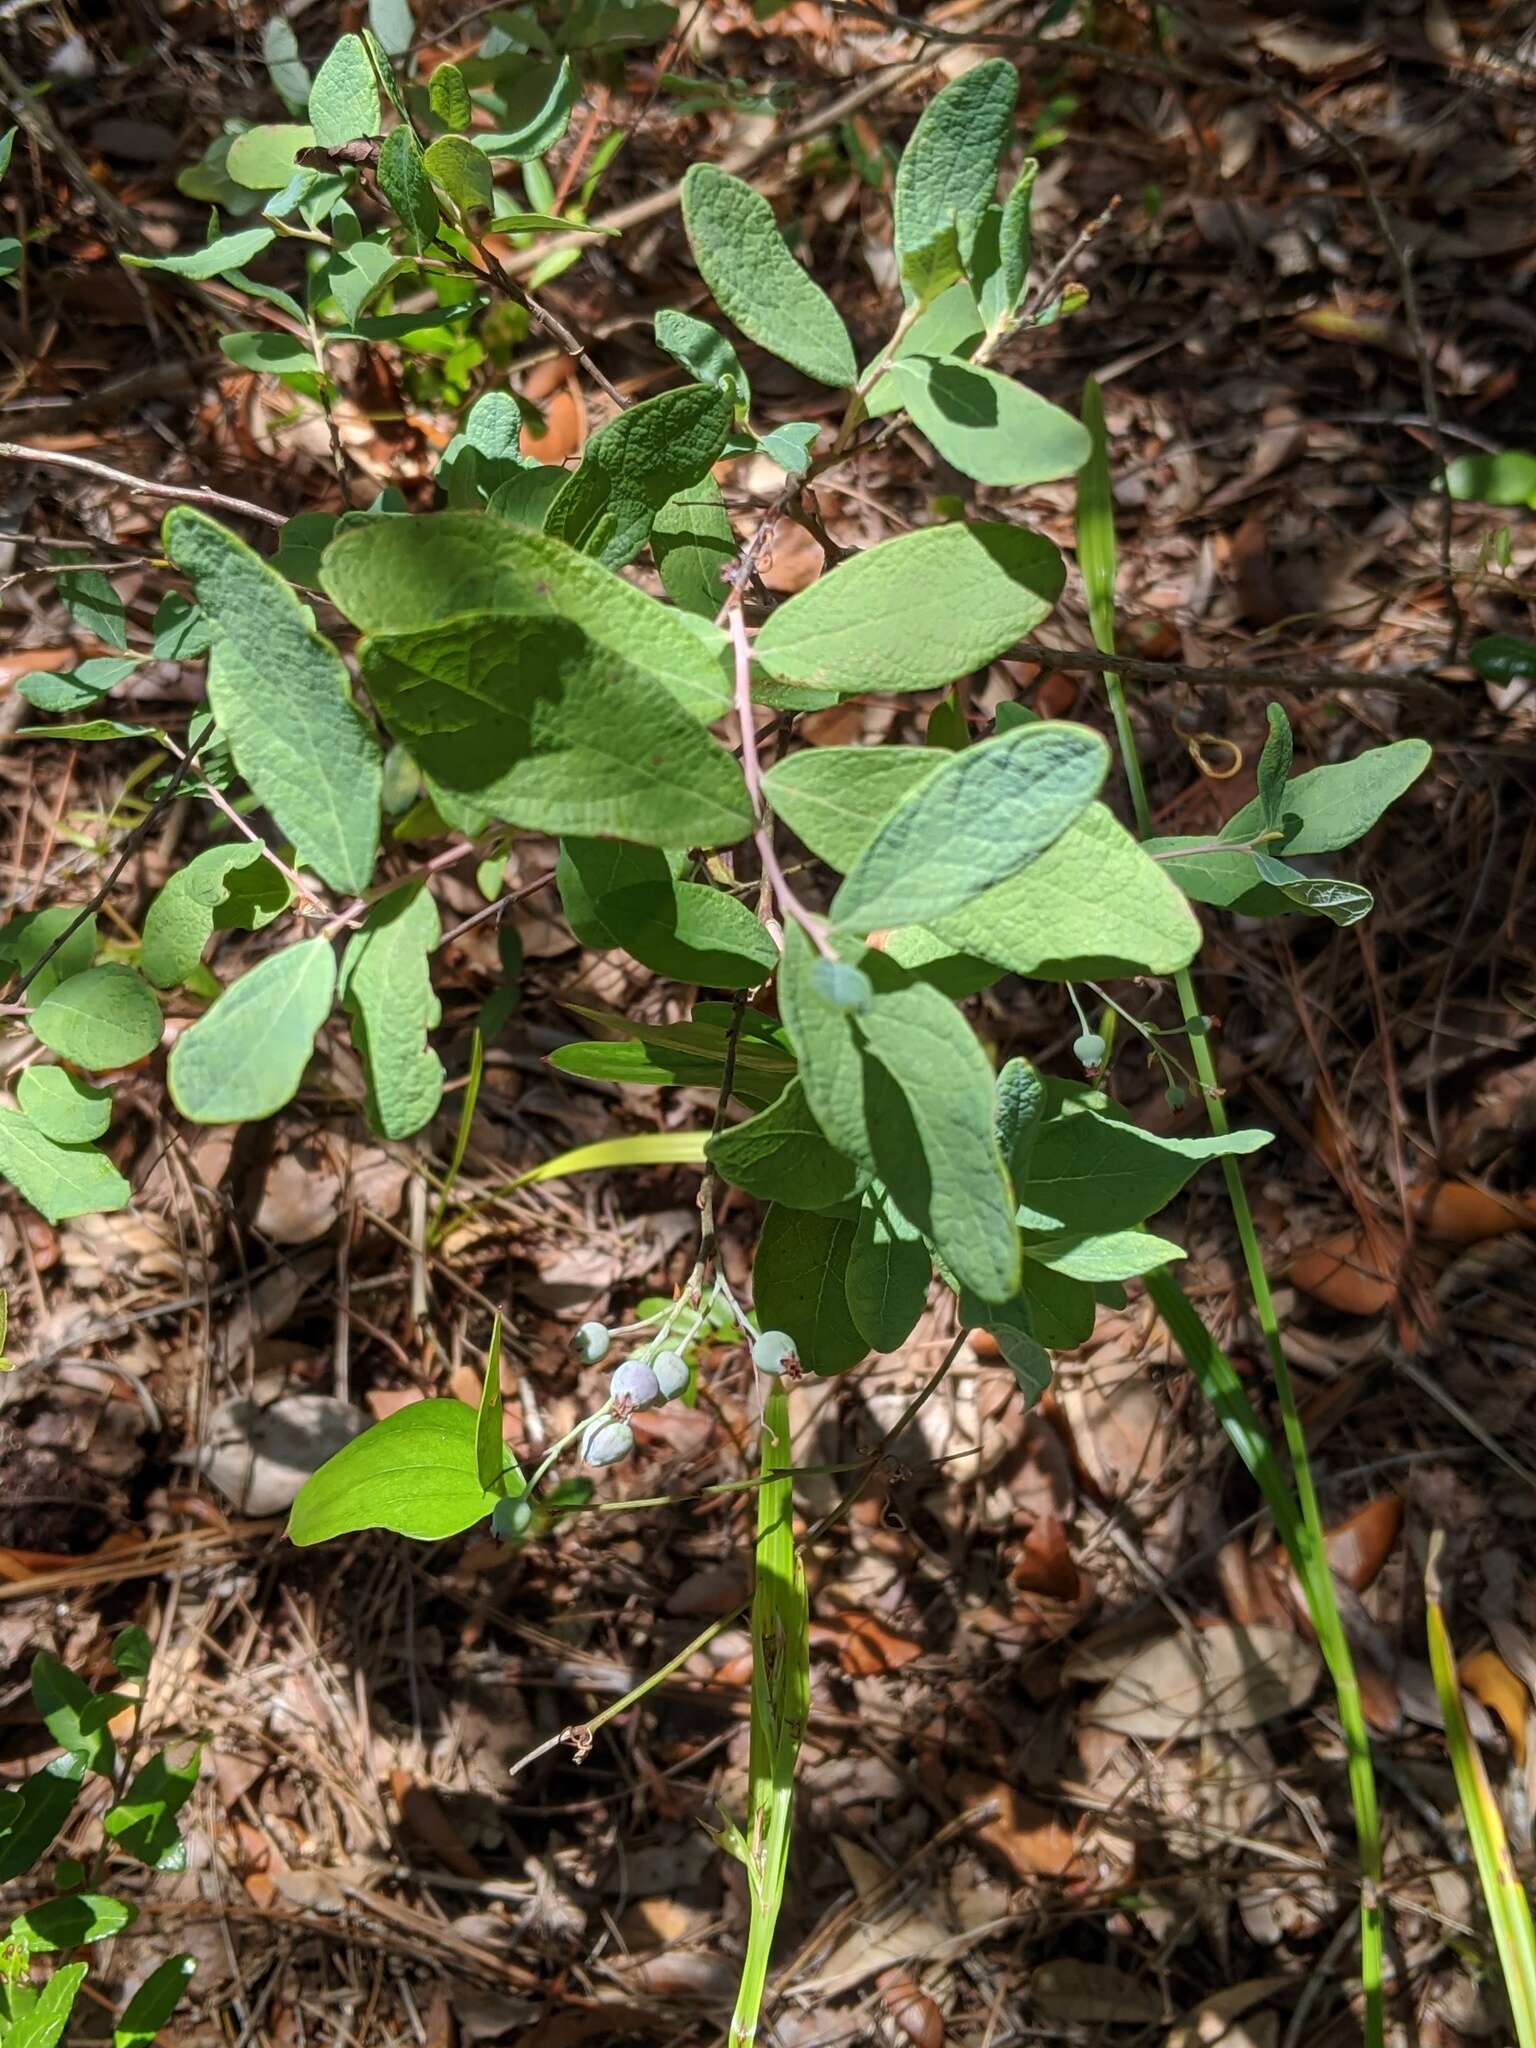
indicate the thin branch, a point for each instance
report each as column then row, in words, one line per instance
column 1239, row 676
column 762, row 831
column 187, row 494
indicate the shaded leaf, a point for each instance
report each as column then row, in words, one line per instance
column 630, row 468
column 62, row 1106
column 153, row 2002
column 780, row 1155
column 799, row 1285
column 58, row 1180
column 143, row 1822
column 226, row 888
column 989, row 426
column 888, row 1272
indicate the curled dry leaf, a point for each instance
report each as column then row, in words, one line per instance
column 1488, row 1678
column 1027, row 1835
column 1045, row 1563
column 1204, row 1682
column 1346, row 1272
column 1460, row 1212
column 913, row 2014
column 865, row 1646
column 1360, row 1545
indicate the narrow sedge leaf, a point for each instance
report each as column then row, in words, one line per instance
column 403, row 179
column 948, row 171
column 631, row 467
column 403, row 575
column 989, row 426
column 915, row 612
column 59, row 1181
column 800, row 1285
column 153, row 2002
column 986, row 814
column 105, row 1017
column 459, row 169
column 414, row 1473
column 62, row 1106
column 490, row 1452
column 647, row 1148
column 344, row 99
column 245, row 1058
column 530, row 721
column 448, row 97
column 385, row 986
column 282, row 698
column 1096, row 523
column 756, row 282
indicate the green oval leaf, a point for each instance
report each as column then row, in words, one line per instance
column 1328, row 808
column 58, row 1180
column 246, row 1057
column 757, row 283
column 448, row 97
column 282, row 698
column 73, row 1921
column 631, row 467
column 224, row 889
column 143, row 1822
column 414, row 1473
column 385, row 987
column 105, row 1017
column 948, row 171
column 799, row 1284
column 888, row 1273
column 986, row 814
column 264, row 159
column 780, row 1155
column 344, row 99
column 456, row 167
column 915, row 612
column 153, row 2002
column 62, row 1106
column 990, row 427
column 215, row 259
column 403, row 179
column 535, row 112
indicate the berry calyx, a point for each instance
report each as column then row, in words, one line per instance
column 775, row 1353
column 633, row 1385
column 1088, row 1049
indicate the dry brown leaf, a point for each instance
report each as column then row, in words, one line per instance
column 1463, row 1213
column 552, row 387
column 865, row 1646
column 1026, row 1834
column 1360, row 1545
column 422, row 1815
column 791, row 560
column 1093, row 1994
column 258, row 1458
column 1117, row 1421
column 1215, row 2021
column 913, row 2014
column 386, row 1401
column 1488, row 1678
column 1345, row 1272
column 1045, row 1564
column 301, row 1195
column 1203, row 1682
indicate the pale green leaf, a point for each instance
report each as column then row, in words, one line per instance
column 989, row 426
column 385, row 986
column 1107, row 1255
column 535, row 112
column 1274, row 766
column 694, row 548
column 392, row 26
column 413, row 1473
column 888, row 1273
column 1255, row 885
column 646, row 1148
column 227, row 888
column 273, row 355
column 456, row 167
column 704, row 353
column 153, row 2002
column 780, row 1155
column 282, row 698
column 1093, row 1172
column 928, row 272
column 26, row 939
column 535, row 723
column 62, row 1106
column 245, row 1058
column 837, row 798
column 1000, row 275
column 403, row 179
column 757, row 283
column 448, row 97
column 790, row 445
column 215, row 259
column 799, row 1285
column 58, row 1180
column 1011, row 1324
column 71, row 1922
column 105, row 1017
column 280, row 53
column 1096, row 523
column 951, row 326
column 915, row 612
column 401, row 575
column 525, row 499
column 1092, row 906
column 631, row 467
column 43, row 2024
column 1331, row 807
column 72, row 691
column 344, row 99
column 264, row 159
column 1505, row 478
column 948, row 171
column 986, row 814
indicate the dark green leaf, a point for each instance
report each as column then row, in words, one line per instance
column 618, row 895
column 32, row 1814
column 132, row 1652
column 457, row 167
column 1274, row 766
column 71, row 1922
column 631, row 467
column 75, row 1716
column 143, row 1823
column 385, row 986
column 448, row 96
column 694, row 548
column 888, row 1273
column 535, row 112
column 403, row 179
column 799, row 1285
column 153, row 2003
column 780, row 1155
column 1091, row 1171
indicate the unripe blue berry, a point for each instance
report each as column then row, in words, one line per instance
column 774, row 1352
column 511, row 1519
column 1089, row 1049
column 607, row 1441
column 591, row 1343
column 844, row 986
column 634, row 1383
column 671, row 1370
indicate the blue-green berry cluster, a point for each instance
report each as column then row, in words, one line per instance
column 648, row 1380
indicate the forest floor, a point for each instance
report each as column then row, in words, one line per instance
column 1312, row 289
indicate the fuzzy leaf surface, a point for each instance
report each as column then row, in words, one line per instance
column 631, row 467
column 989, row 426
column 245, row 1058
column 385, row 986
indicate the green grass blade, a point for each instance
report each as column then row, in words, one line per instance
column 467, row 1103
column 1509, row 1909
